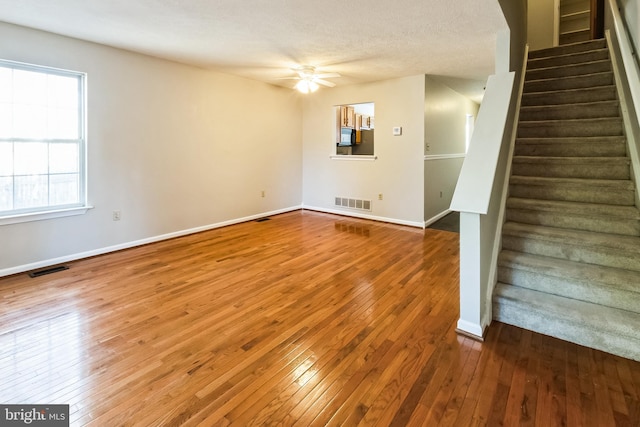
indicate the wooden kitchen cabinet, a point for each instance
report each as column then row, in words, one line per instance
column 347, row 116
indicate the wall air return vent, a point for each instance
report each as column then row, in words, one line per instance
column 349, row 203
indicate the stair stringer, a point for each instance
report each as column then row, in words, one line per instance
column 628, row 111
column 502, row 216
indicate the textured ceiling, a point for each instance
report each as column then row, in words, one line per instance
column 363, row 40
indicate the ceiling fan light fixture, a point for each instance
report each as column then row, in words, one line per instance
column 306, row 86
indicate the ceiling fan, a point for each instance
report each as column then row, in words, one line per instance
column 309, row 80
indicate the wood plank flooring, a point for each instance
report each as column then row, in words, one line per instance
column 306, row 319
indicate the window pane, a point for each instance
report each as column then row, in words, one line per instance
column 6, row 120
column 62, row 91
column 63, row 158
column 29, row 88
column 29, row 121
column 31, row 191
column 6, row 193
column 62, row 123
column 6, row 79
column 31, row 158
column 6, row 158
column 64, row 189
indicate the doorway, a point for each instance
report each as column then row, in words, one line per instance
column 579, row 20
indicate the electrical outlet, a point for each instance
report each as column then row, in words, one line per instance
column 380, row 196
column 116, row 215
column 262, row 193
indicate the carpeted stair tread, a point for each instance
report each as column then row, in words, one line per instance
column 570, row 96
column 531, row 147
column 600, row 218
column 630, row 244
column 583, row 110
column 572, row 167
column 627, row 280
column 603, row 184
column 568, row 48
column 605, row 328
column 598, row 146
column 606, row 249
column 585, row 209
column 568, row 70
column 610, row 191
column 581, row 81
column 569, row 58
column 609, row 126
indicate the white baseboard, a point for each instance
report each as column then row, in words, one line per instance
column 364, row 216
column 470, row 330
column 101, row 251
column 437, row 217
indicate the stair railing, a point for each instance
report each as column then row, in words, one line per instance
column 627, row 75
column 480, row 197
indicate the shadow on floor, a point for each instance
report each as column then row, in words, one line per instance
column 450, row 222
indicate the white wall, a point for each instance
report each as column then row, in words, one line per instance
column 631, row 13
column 398, row 171
column 444, row 135
column 541, row 24
column 173, row 147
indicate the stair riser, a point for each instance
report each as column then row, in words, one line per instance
column 607, row 93
column 568, row 71
column 567, row 49
column 573, row 193
column 571, row 288
column 579, row 36
column 585, row 81
column 572, row 150
column 575, row 222
column 599, row 171
column 569, row 128
column 522, row 316
column 577, row 58
column 570, row 111
column 591, row 255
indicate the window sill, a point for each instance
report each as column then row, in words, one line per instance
column 354, row 157
column 38, row 216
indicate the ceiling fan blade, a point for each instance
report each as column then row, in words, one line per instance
column 328, row 75
column 288, row 78
column 324, row 82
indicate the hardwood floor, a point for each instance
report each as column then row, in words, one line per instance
column 305, row 319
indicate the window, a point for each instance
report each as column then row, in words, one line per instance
column 42, row 140
column 354, row 129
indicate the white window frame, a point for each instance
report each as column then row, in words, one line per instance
column 55, row 211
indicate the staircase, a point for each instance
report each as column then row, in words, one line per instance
column 570, row 260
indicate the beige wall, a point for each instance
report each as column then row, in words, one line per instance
column 444, row 132
column 398, row 171
column 541, row 24
column 172, row 147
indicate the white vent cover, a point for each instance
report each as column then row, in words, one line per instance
column 359, row 204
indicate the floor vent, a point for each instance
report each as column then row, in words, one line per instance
column 263, row 219
column 360, row 204
column 42, row 272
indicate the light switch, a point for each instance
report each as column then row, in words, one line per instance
column 397, row 131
